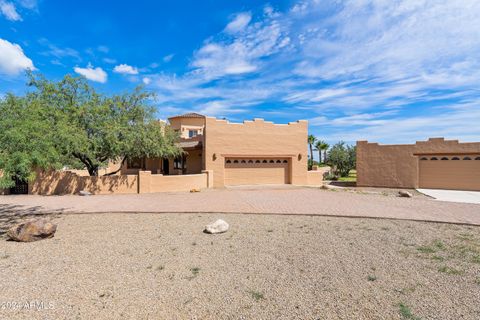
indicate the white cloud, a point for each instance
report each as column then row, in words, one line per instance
column 375, row 69
column 239, row 23
column 168, row 58
column 240, row 54
column 9, row 11
column 125, row 69
column 103, row 49
column 29, row 4
column 12, row 59
column 109, row 60
column 146, row 80
column 94, row 74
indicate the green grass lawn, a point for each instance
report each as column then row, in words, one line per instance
column 352, row 176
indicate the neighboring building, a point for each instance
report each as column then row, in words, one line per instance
column 252, row 152
column 432, row 164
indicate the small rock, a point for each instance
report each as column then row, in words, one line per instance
column 32, row 230
column 218, row 226
column 405, row 194
column 84, row 193
column 195, row 190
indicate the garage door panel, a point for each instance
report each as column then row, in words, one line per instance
column 256, row 173
column 450, row 174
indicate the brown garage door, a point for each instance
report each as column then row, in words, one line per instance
column 244, row 171
column 460, row 172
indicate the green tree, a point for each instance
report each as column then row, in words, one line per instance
column 311, row 141
column 27, row 140
column 67, row 123
column 343, row 158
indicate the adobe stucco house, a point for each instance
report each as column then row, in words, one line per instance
column 252, row 152
column 432, row 164
column 218, row 153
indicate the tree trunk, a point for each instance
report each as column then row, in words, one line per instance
column 319, row 156
column 311, row 152
column 116, row 171
column 92, row 171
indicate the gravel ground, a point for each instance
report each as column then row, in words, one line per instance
column 161, row 266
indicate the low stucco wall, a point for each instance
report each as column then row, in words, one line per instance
column 315, row 177
column 151, row 183
column 66, row 182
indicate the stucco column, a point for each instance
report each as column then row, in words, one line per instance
column 144, row 181
column 209, row 178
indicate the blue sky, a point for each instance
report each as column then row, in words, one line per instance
column 381, row 70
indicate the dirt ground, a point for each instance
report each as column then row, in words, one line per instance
column 162, row 266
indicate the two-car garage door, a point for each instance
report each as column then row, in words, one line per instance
column 460, row 172
column 246, row 171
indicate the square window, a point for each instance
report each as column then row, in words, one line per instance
column 192, row 133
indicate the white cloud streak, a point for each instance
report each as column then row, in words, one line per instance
column 94, row 74
column 9, row 11
column 125, row 69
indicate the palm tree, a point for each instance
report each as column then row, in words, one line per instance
column 318, row 147
column 311, row 141
column 324, row 147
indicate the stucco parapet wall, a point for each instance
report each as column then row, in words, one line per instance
column 258, row 121
column 432, row 145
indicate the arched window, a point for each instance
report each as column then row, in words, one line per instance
column 433, row 158
column 285, row 161
column 477, row 158
column 272, row 161
column 250, row 161
column 455, row 158
column 257, row 161
column 279, row 161
column 235, row 161
column 243, row 161
column 229, row 161
column 423, row 158
column 444, row 158
column 264, row 161
column 467, row 158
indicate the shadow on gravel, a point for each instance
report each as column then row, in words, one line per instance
column 13, row 214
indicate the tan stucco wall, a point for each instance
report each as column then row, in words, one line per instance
column 194, row 161
column 185, row 124
column 151, row 183
column 65, row 182
column 255, row 138
column 397, row 166
column 315, row 177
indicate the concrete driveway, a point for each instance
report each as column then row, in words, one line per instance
column 258, row 200
column 453, row 195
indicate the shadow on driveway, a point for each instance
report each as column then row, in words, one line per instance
column 11, row 214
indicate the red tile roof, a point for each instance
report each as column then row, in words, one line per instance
column 189, row 115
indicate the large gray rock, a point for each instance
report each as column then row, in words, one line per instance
column 32, row 230
column 405, row 194
column 218, row 226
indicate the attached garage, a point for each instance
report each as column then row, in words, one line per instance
column 247, row 171
column 460, row 172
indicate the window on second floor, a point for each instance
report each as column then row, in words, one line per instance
column 192, row 133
